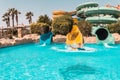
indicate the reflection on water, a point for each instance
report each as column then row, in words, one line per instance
column 76, row 70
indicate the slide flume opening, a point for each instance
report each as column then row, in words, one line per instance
column 102, row 34
column 46, row 38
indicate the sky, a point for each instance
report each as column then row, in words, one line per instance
column 42, row 7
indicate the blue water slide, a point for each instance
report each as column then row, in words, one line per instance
column 46, row 38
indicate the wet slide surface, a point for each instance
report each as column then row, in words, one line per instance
column 75, row 36
column 46, row 38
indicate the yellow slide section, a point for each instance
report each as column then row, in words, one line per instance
column 75, row 36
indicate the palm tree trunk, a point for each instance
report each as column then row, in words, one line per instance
column 9, row 21
column 30, row 20
column 2, row 31
column 13, row 22
column 17, row 20
column 7, row 28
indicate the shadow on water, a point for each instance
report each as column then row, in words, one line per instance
column 76, row 70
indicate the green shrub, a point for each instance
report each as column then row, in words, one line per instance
column 10, row 36
column 15, row 32
column 44, row 19
column 114, row 28
column 62, row 25
column 85, row 27
column 39, row 28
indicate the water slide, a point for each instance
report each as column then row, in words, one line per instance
column 74, row 37
column 103, row 10
column 86, row 5
column 102, row 35
column 46, row 38
column 101, row 20
column 99, row 15
column 92, row 9
column 81, row 9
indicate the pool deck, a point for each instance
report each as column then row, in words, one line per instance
column 32, row 38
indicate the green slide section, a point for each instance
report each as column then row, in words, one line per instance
column 89, row 4
column 102, row 35
column 101, row 20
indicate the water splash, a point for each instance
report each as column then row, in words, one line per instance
column 107, row 46
column 69, row 49
column 44, row 44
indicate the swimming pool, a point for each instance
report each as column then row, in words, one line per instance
column 55, row 62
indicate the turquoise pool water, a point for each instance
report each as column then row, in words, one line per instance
column 55, row 62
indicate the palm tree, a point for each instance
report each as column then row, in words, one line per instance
column 6, row 18
column 16, row 16
column 29, row 17
column 12, row 13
